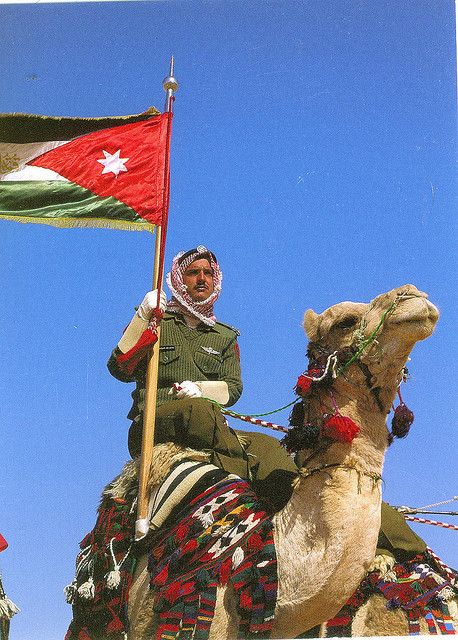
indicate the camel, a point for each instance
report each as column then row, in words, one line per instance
column 326, row 534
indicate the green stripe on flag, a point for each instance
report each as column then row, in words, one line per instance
column 24, row 127
column 65, row 204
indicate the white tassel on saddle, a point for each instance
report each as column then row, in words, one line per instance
column 70, row 592
column 237, row 557
column 114, row 578
column 7, row 608
column 87, row 589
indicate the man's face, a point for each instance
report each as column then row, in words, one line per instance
column 198, row 279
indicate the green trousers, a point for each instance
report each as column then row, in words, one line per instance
column 256, row 457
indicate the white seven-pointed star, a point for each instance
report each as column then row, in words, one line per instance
column 113, row 163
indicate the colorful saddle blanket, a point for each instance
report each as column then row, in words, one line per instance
column 219, row 534
column 420, row 588
column 104, row 567
column 222, row 536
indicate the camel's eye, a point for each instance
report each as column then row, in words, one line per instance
column 347, row 322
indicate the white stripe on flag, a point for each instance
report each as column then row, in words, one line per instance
column 32, row 174
column 14, row 156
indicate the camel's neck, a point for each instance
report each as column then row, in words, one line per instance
column 329, row 528
column 353, row 400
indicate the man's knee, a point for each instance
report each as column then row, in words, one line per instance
column 185, row 407
column 190, row 422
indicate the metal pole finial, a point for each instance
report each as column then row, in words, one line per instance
column 170, row 85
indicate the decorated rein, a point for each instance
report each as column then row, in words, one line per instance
column 335, row 427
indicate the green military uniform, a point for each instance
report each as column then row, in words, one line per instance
column 203, row 353
column 206, row 353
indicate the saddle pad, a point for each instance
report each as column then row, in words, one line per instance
column 175, row 489
column 223, row 535
column 204, row 510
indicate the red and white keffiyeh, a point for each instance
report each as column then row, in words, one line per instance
column 181, row 301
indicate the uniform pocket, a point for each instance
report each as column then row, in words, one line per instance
column 209, row 364
column 169, row 354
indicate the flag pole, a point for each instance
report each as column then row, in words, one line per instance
column 149, row 418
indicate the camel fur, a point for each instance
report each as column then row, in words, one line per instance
column 326, row 535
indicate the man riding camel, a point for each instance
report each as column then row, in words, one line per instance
column 199, row 362
column 199, row 359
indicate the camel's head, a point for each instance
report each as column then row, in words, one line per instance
column 391, row 324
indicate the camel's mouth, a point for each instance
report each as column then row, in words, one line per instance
column 416, row 310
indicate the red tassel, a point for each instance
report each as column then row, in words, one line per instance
column 303, row 385
column 340, row 428
column 305, row 381
column 225, row 571
column 402, row 420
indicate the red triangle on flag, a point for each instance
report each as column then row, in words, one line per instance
column 126, row 162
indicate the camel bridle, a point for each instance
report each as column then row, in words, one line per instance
column 352, row 354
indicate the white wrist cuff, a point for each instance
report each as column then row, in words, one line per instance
column 215, row 390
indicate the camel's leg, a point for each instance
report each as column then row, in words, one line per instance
column 226, row 620
column 142, row 621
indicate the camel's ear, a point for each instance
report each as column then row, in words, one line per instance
column 311, row 324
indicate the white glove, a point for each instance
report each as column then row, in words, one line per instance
column 149, row 303
column 185, row 389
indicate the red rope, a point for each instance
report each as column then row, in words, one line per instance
column 261, row 423
column 446, row 525
column 448, row 571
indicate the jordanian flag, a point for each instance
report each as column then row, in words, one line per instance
column 84, row 172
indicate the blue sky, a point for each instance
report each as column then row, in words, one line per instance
column 313, row 151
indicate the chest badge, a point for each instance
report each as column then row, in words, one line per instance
column 211, row 351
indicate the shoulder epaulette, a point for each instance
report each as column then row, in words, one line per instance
column 228, row 326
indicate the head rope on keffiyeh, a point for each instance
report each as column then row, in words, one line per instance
column 181, row 301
